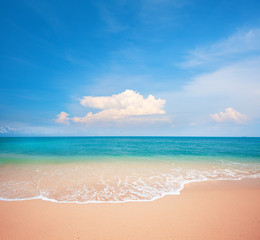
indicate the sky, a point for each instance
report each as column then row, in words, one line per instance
column 130, row 68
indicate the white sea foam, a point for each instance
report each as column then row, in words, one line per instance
column 112, row 182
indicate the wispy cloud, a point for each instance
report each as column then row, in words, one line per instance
column 46, row 12
column 236, row 80
column 236, row 46
column 230, row 115
column 112, row 23
column 157, row 12
column 22, row 61
column 236, row 85
column 7, row 129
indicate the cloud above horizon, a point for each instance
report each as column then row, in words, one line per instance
column 62, row 118
column 126, row 106
column 230, row 115
column 240, row 44
column 7, row 129
column 235, row 85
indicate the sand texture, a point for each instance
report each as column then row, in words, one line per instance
column 206, row 210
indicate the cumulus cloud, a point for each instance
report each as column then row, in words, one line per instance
column 63, row 118
column 121, row 106
column 229, row 115
column 128, row 102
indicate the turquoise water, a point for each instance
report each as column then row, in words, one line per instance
column 116, row 169
column 80, row 148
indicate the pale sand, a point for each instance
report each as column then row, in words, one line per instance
column 207, row 210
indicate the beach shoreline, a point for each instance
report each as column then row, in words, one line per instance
column 222, row 209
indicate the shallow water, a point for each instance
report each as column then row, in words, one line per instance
column 115, row 169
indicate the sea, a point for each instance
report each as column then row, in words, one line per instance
column 119, row 169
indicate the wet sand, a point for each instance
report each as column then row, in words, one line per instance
column 205, row 210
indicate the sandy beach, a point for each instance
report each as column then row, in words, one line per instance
column 205, row 210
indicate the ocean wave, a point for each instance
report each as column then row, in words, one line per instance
column 112, row 182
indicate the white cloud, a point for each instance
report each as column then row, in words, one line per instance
column 236, row 85
column 3, row 130
column 63, row 118
column 240, row 43
column 127, row 105
column 237, row 80
column 229, row 115
column 7, row 129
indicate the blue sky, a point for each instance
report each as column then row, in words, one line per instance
column 147, row 67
